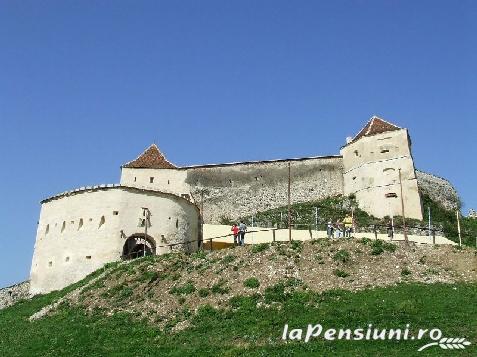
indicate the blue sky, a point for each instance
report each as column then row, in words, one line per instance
column 87, row 85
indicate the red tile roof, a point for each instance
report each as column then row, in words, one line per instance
column 375, row 126
column 152, row 158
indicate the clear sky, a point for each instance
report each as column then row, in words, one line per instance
column 85, row 86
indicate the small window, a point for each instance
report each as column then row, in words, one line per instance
column 91, row 219
column 383, row 151
column 47, row 230
column 102, row 221
column 388, row 169
column 177, row 223
column 115, row 213
column 50, row 263
column 67, row 259
column 80, row 224
column 391, row 195
column 354, row 177
column 63, row 226
column 88, row 257
column 151, row 179
column 356, row 152
column 135, row 179
column 168, row 182
column 72, row 222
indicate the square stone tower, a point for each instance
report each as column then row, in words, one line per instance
column 372, row 160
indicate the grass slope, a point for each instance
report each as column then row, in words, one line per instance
column 253, row 305
column 248, row 329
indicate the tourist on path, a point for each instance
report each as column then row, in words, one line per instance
column 242, row 229
column 329, row 229
column 235, row 230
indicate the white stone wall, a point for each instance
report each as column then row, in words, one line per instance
column 80, row 232
column 371, row 171
column 165, row 180
column 242, row 189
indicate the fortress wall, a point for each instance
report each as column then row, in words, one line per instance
column 80, row 232
column 243, row 189
column 438, row 189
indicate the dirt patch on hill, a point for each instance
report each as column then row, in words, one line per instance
column 168, row 289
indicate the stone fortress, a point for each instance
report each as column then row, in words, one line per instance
column 81, row 230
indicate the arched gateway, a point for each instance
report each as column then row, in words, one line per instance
column 138, row 245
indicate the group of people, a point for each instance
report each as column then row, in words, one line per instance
column 239, row 233
column 340, row 228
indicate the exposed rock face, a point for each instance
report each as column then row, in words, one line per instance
column 11, row 294
column 440, row 190
column 472, row 213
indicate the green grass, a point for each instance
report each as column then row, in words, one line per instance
column 251, row 283
column 249, row 329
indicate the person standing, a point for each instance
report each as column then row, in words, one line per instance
column 348, row 226
column 329, row 229
column 235, row 231
column 242, row 229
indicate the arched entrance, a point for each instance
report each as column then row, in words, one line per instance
column 137, row 246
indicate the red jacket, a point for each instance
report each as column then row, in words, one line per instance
column 235, row 229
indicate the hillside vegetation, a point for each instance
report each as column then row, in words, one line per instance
column 236, row 302
column 336, row 208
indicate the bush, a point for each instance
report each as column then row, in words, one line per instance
column 405, row 272
column 340, row 273
column 186, row 289
column 251, row 283
column 342, row 256
column 203, row 292
column 379, row 246
column 219, row 288
column 229, row 259
column 260, row 247
column 297, row 245
column 365, row 241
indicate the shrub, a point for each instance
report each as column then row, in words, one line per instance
column 251, row 283
column 340, row 273
column 203, row 292
column 342, row 256
column 219, row 288
column 365, row 241
column 260, row 247
column 229, row 259
column 293, row 282
column 186, row 289
column 200, row 254
column 379, row 246
column 405, row 272
column 297, row 245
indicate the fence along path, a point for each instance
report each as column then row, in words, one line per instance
column 214, row 233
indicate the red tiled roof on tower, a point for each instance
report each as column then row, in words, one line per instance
column 152, row 158
column 375, row 126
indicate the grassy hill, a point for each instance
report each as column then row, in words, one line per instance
column 236, row 302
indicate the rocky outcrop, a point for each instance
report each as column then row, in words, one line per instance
column 472, row 213
column 438, row 189
column 14, row 293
